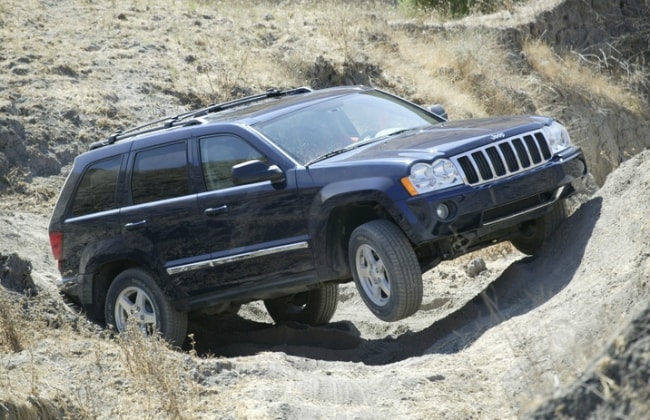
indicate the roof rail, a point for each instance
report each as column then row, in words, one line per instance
column 270, row 93
column 189, row 118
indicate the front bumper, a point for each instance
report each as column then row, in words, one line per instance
column 487, row 209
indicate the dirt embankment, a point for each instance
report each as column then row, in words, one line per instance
column 52, row 107
column 615, row 37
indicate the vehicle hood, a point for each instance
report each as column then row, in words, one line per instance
column 445, row 139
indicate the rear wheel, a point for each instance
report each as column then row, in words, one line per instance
column 134, row 297
column 533, row 234
column 385, row 270
column 313, row 307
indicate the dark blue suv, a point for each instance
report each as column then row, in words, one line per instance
column 284, row 195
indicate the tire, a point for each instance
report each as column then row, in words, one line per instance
column 385, row 270
column 534, row 234
column 314, row 307
column 134, row 293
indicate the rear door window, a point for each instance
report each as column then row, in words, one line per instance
column 160, row 173
column 96, row 191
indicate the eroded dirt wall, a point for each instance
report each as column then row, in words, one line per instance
column 617, row 35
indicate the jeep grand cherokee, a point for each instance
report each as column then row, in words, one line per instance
column 284, row 195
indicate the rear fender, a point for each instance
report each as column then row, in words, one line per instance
column 102, row 261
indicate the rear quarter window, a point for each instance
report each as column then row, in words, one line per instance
column 97, row 188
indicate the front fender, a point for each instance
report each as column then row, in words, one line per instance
column 375, row 193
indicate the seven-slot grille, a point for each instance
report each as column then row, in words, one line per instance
column 504, row 158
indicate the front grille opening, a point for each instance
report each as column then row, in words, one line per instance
column 496, row 160
column 522, row 153
column 482, row 164
column 508, row 157
column 468, row 169
column 532, row 149
column 543, row 146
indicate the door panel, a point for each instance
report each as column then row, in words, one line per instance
column 163, row 219
column 252, row 229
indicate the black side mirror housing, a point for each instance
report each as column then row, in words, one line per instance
column 253, row 171
column 439, row 111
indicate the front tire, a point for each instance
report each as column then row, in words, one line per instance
column 385, row 270
column 534, row 233
column 134, row 296
column 313, row 307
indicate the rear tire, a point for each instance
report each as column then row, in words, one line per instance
column 313, row 307
column 386, row 270
column 134, row 295
column 535, row 233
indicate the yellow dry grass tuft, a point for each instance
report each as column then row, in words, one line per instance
column 156, row 373
column 571, row 73
column 12, row 330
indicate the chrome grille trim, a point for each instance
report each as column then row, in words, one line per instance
column 503, row 158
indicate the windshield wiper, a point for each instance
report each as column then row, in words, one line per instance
column 364, row 142
column 396, row 132
column 330, row 154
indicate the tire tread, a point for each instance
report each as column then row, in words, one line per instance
column 406, row 281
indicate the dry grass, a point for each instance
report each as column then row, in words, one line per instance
column 571, row 72
column 12, row 329
column 152, row 381
column 163, row 380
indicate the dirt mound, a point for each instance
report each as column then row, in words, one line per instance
column 616, row 386
column 52, row 108
column 15, row 274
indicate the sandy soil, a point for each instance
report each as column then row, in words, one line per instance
column 483, row 347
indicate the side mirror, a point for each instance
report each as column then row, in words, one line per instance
column 253, row 171
column 439, row 111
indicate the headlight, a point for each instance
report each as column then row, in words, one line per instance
column 426, row 177
column 557, row 136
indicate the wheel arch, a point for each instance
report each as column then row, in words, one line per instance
column 93, row 294
column 100, row 273
column 337, row 218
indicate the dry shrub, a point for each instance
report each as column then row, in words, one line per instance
column 455, row 8
column 156, row 371
column 571, row 73
column 13, row 331
column 34, row 408
column 467, row 70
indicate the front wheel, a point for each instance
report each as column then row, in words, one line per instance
column 385, row 270
column 533, row 234
column 134, row 296
column 313, row 307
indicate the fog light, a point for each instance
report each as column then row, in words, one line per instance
column 442, row 211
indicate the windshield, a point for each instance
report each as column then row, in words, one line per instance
column 343, row 122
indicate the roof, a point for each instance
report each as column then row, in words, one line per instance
column 251, row 108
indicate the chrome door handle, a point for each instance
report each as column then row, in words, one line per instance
column 136, row 225
column 214, row 211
